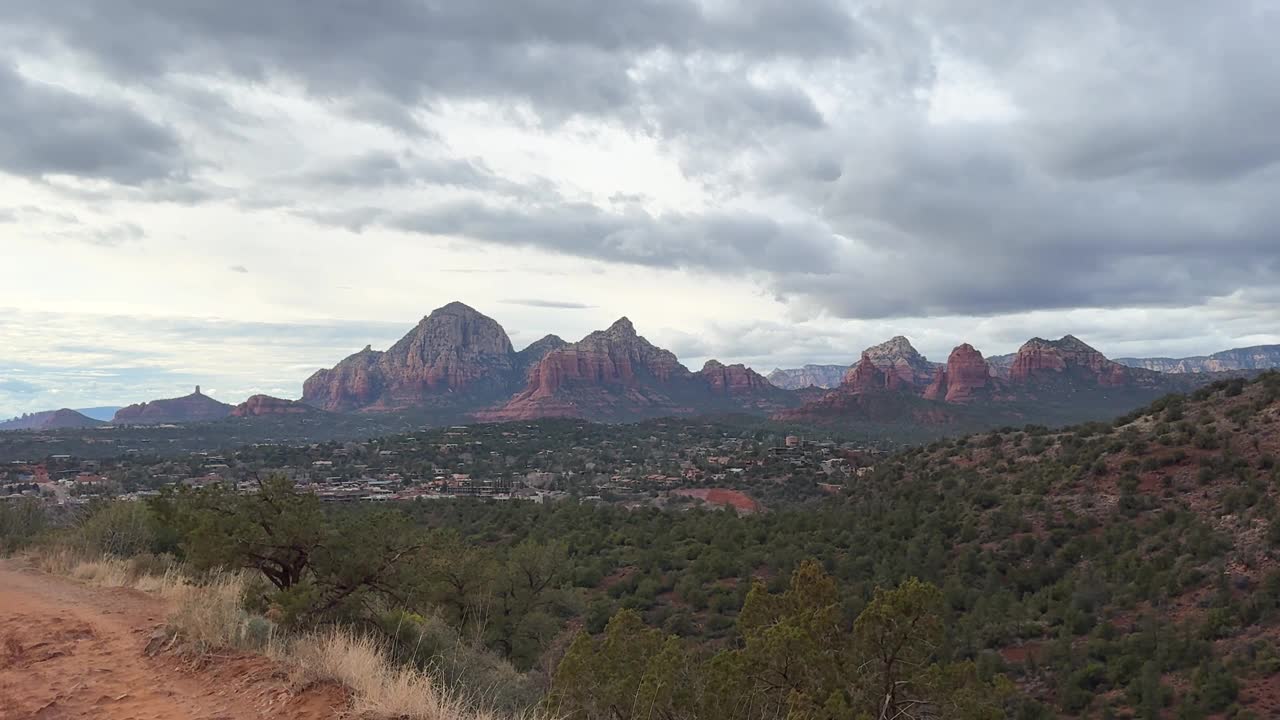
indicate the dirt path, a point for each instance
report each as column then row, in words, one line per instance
column 70, row 651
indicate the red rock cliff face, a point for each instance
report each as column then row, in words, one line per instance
column 259, row 405
column 737, row 379
column 609, row 373
column 617, row 356
column 454, row 351
column 356, row 382
column 196, row 407
column 867, row 377
column 1040, row 359
column 965, row 378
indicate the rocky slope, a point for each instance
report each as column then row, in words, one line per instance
column 1166, row 515
column 261, row 405
column 51, row 420
column 1257, row 357
column 819, row 376
column 196, row 407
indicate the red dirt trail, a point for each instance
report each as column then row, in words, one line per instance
column 70, row 651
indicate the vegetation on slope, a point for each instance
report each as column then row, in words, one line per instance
column 1107, row 569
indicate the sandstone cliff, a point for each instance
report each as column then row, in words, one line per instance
column 965, row 378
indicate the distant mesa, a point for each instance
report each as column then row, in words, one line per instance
column 1257, row 357
column 63, row 419
column 809, row 376
column 196, row 407
column 265, row 405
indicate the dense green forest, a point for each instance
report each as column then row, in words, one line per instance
column 1110, row 569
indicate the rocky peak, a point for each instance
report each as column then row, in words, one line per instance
column 259, row 405
column 1046, row 358
column 453, row 350
column 622, row 328
column 965, row 377
column 733, row 379
column 866, row 377
column 196, row 407
column 900, row 357
column 528, row 358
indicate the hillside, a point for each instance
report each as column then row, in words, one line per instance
column 1152, row 539
column 63, row 419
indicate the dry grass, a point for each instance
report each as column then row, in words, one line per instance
column 379, row 689
column 207, row 614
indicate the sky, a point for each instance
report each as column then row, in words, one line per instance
column 236, row 194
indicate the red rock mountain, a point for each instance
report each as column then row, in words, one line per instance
column 196, row 407
column 1049, row 380
column 897, row 355
column 51, row 420
column 260, row 405
column 965, row 378
column 527, row 359
column 1039, row 359
column 868, row 377
column 616, row 374
column 737, row 379
column 609, row 372
column 453, row 352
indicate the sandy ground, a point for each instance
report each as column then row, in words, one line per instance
column 68, row 650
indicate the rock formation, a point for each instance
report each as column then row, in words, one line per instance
column 260, row 405
column 196, row 407
column 898, row 356
column 609, row 373
column 615, row 374
column 965, row 378
column 1039, row 359
column 527, row 359
column 868, row 377
column 453, row 352
column 737, row 379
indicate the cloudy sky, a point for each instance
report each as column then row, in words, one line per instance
column 237, row 193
